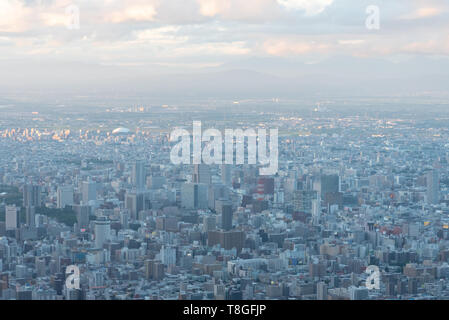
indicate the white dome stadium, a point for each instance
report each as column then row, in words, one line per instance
column 121, row 131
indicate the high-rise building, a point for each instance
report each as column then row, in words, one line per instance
column 102, row 232
column 11, row 217
column 124, row 219
column 217, row 191
column 433, row 187
column 201, row 174
column 358, row 293
column 82, row 215
column 265, row 185
column 302, row 200
column 209, row 223
column 138, row 175
column 135, row 202
column 326, row 184
column 30, row 213
column 64, row 196
column 224, row 208
column 32, row 195
column 316, row 211
column 194, row 196
column 321, row 291
column 168, row 255
column 89, row 191
column 227, row 239
column 154, row 270
column 317, row 269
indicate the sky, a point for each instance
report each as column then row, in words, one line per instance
column 225, row 47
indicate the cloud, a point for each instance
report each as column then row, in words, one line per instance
column 248, row 10
column 211, row 8
column 133, row 11
column 422, row 13
column 288, row 47
column 161, row 36
column 191, row 34
column 14, row 16
column 311, row 7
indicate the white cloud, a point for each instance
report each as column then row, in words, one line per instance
column 311, row 7
column 14, row 16
column 247, row 10
column 161, row 36
column 137, row 12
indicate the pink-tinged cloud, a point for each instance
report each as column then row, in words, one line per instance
column 422, row 13
column 133, row 12
column 288, row 47
column 14, row 16
column 248, row 10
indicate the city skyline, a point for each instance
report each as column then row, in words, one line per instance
column 231, row 153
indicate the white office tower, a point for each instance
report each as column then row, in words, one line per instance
column 89, row 191
column 168, row 255
column 201, row 174
column 138, row 176
column 316, row 211
column 226, row 174
column 102, row 232
column 64, row 196
column 11, row 217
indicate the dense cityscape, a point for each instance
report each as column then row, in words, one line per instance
column 360, row 183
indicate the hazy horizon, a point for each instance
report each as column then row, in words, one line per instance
column 200, row 49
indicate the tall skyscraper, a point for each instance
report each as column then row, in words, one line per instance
column 32, row 195
column 30, row 213
column 135, row 202
column 327, row 184
column 215, row 192
column 433, row 187
column 102, row 232
column 226, row 217
column 194, row 196
column 138, row 175
column 224, row 208
column 316, row 211
column 11, row 217
column 82, row 215
column 64, row 196
column 201, row 174
column 89, row 191
column 168, row 255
